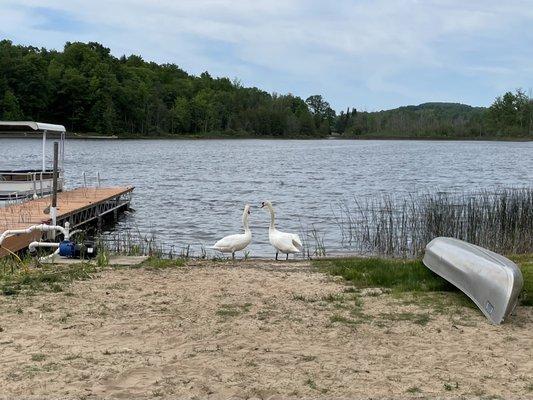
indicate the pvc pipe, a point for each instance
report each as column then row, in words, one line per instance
column 33, row 245
column 53, row 214
column 43, row 228
column 49, row 257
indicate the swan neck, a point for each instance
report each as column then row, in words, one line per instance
column 245, row 217
column 272, row 218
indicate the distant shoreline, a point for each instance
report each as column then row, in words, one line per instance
column 78, row 136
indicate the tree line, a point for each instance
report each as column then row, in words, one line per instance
column 509, row 115
column 88, row 89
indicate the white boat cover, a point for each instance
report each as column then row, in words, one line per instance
column 30, row 125
column 492, row 281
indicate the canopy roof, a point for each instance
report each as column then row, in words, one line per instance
column 24, row 126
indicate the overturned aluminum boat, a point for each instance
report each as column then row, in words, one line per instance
column 492, row 281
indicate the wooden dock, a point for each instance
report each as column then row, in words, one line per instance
column 78, row 207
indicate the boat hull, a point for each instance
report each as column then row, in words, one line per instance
column 492, row 281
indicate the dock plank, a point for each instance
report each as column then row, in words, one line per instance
column 31, row 212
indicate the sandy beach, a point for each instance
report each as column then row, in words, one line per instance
column 254, row 329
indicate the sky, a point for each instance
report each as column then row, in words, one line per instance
column 367, row 54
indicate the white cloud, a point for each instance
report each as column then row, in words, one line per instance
column 354, row 52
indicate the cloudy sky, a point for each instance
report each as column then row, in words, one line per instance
column 371, row 54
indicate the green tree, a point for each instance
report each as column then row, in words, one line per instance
column 180, row 116
column 10, row 107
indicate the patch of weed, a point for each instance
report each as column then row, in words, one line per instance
column 416, row 318
column 233, row 310
column 38, row 357
column 311, row 383
column 342, row 319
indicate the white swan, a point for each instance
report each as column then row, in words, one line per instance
column 233, row 243
column 287, row 243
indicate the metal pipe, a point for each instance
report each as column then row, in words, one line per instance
column 34, row 181
column 53, row 208
column 44, row 150
column 62, row 167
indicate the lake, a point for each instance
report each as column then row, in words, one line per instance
column 191, row 192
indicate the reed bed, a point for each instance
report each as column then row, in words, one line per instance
column 500, row 220
column 132, row 242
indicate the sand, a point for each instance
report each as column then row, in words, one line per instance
column 253, row 329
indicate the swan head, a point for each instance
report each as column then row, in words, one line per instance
column 267, row 204
column 247, row 209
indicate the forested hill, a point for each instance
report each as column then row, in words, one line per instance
column 510, row 115
column 89, row 90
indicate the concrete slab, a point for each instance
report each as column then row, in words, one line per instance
column 127, row 260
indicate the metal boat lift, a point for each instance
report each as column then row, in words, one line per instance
column 16, row 184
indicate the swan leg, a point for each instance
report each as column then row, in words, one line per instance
column 287, row 257
column 276, row 256
column 233, row 255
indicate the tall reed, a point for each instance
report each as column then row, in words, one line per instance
column 500, row 220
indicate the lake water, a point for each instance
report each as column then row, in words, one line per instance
column 191, row 192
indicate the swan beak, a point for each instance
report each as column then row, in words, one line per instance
column 262, row 205
column 248, row 212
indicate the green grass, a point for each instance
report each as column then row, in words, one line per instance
column 38, row 357
column 525, row 262
column 416, row 318
column 161, row 263
column 311, row 383
column 411, row 276
column 343, row 320
column 16, row 277
column 233, row 310
column 46, row 278
column 451, row 386
column 398, row 275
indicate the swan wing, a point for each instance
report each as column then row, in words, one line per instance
column 297, row 242
column 233, row 243
column 284, row 242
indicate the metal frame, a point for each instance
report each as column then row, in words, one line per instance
column 97, row 211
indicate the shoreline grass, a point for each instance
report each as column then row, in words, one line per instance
column 500, row 220
column 52, row 278
column 410, row 276
column 396, row 275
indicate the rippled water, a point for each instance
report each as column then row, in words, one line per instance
column 193, row 191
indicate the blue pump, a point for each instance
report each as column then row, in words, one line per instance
column 67, row 249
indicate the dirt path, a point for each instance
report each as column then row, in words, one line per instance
column 255, row 330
